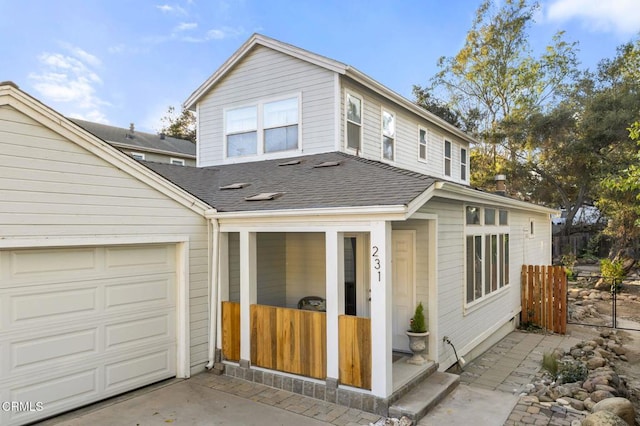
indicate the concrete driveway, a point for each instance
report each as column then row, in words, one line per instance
column 180, row 402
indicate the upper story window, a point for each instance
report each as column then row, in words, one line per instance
column 447, row 158
column 262, row 128
column 422, row 144
column 463, row 164
column 242, row 131
column 388, row 135
column 281, row 125
column 137, row 155
column 354, row 122
column 177, row 161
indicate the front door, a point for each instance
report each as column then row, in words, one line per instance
column 403, row 243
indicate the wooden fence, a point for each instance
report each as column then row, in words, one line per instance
column 544, row 297
column 355, row 351
column 289, row 340
column 231, row 331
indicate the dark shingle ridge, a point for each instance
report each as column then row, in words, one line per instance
column 387, row 166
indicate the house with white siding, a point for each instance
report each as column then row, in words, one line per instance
column 327, row 184
column 324, row 207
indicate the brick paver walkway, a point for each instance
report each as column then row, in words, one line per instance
column 513, row 363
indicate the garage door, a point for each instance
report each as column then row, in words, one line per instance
column 82, row 324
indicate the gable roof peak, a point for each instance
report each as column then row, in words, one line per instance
column 271, row 43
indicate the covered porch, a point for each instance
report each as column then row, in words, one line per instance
column 326, row 299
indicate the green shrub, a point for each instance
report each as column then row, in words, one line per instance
column 569, row 261
column 613, row 271
column 572, row 371
column 417, row 322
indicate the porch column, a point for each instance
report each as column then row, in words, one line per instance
column 381, row 309
column 248, row 291
column 334, row 253
column 223, row 282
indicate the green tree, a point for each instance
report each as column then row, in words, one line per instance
column 619, row 200
column 495, row 78
column 182, row 126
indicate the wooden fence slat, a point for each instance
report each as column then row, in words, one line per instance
column 289, row 340
column 231, row 331
column 544, row 297
column 355, row 351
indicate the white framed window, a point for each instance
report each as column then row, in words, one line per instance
column 137, row 155
column 423, row 136
column 241, row 126
column 177, row 161
column 388, row 135
column 486, row 252
column 353, row 115
column 463, row 164
column 268, row 126
column 447, row 158
column 281, row 125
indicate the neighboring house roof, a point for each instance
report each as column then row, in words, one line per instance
column 139, row 141
column 354, row 182
column 324, row 62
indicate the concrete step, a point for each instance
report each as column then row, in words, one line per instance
column 424, row 396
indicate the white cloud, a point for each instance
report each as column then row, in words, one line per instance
column 166, row 8
column 68, row 78
column 617, row 16
column 186, row 26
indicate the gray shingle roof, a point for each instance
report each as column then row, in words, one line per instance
column 354, row 182
column 142, row 140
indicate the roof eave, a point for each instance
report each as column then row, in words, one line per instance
column 450, row 190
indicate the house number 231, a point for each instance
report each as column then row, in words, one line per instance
column 376, row 261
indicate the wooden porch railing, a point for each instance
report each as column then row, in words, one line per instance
column 355, row 351
column 231, row 331
column 544, row 297
column 289, row 340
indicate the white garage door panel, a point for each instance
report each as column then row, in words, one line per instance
column 140, row 331
column 52, row 349
column 57, row 395
column 82, row 324
column 36, row 263
column 144, row 368
column 52, row 304
column 140, row 292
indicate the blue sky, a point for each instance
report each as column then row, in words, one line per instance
column 118, row 61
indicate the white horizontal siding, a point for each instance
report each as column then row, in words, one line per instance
column 465, row 327
column 407, row 132
column 264, row 74
column 51, row 187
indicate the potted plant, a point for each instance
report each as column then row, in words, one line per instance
column 417, row 334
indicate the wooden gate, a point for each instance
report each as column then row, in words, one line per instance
column 544, row 297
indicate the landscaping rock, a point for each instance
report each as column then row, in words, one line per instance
column 621, row 407
column 603, row 418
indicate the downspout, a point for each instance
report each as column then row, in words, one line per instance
column 213, row 302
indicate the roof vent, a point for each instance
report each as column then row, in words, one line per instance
column 162, row 135
column 264, row 196
column 290, row 163
column 327, row 164
column 235, row 186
